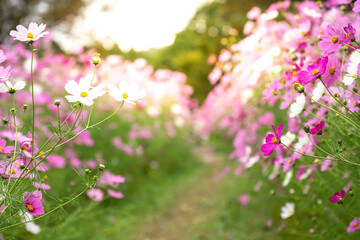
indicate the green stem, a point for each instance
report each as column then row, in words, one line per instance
column 33, row 101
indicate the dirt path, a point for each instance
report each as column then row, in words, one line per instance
column 191, row 206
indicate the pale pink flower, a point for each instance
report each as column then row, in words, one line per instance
column 32, row 34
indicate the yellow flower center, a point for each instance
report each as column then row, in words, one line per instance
column 125, row 95
column 274, row 140
column 334, row 39
column 315, row 71
column 354, row 104
column 347, row 35
column 30, row 35
column 295, row 74
column 273, row 91
column 16, row 162
column 332, row 71
column 12, row 171
column 24, row 148
column 302, row 151
column 289, row 161
column 30, row 207
column 355, row 224
column 1, row 148
column 354, row 76
column 83, row 94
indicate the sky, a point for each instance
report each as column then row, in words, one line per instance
column 138, row 24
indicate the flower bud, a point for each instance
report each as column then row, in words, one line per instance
column 87, row 171
column 95, row 178
column 96, row 59
column 317, row 161
column 272, row 192
column 25, row 106
column 12, row 91
column 57, row 102
column 299, row 87
column 22, row 166
column 355, row 89
column 351, row 193
column 5, row 121
column 306, row 129
column 101, row 167
column 339, row 141
column 12, row 110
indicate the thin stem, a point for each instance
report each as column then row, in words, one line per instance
column 33, row 101
column 58, row 117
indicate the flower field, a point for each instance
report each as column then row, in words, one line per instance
column 95, row 146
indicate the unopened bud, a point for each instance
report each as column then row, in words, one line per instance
column 306, row 129
column 101, row 167
column 299, row 87
column 25, row 106
column 351, row 193
column 317, row 161
column 355, row 89
column 339, row 141
column 57, row 102
column 5, row 121
column 272, row 192
column 96, row 58
column 95, row 178
column 12, row 110
column 22, row 166
column 87, row 171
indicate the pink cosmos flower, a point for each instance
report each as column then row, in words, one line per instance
column 318, row 128
column 349, row 32
column 32, row 34
column 313, row 71
column 41, row 185
column 337, row 197
column 333, row 70
column 356, row 6
column 354, row 225
column 2, row 56
column 331, row 39
column 4, row 74
column 56, row 161
column 95, row 194
column 115, row 194
column 244, row 199
column 271, row 93
column 32, row 203
column 3, row 148
column 2, row 208
column 271, row 140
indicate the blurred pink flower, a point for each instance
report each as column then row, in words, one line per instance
column 337, row 197
column 95, row 194
column 244, row 199
column 115, row 194
column 354, row 225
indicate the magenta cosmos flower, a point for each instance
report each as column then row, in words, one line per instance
column 313, row 71
column 318, row 128
column 333, row 70
column 33, row 204
column 356, row 6
column 338, row 198
column 331, row 39
column 354, row 225
column 271, row 140
column 32, row 34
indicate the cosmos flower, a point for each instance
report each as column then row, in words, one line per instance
column 32, row 34
column 333, row 70
column 83, row 92
column 356, row 6
column 338, row 198
column 354, row 225
column 313, row 71
column 5, row 149
column 129, row 93
column 272, row 140
column 297, row 107
column 95, row 194
column 32, row 203
column 288, row 210
column 318, row 128
column 10, row 88
column 353, row 68
column 4, row 73
column 331, row 39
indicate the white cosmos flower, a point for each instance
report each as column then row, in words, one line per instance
column 318, row 91
column 129, row 93
column 297, row 107
column 352, row 68
column 30, row 226
column 287, row 210
column 288, row 138
column 83, row 92
column 288, row 177
column 9, row 87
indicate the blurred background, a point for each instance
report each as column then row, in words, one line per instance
column 175, row 35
